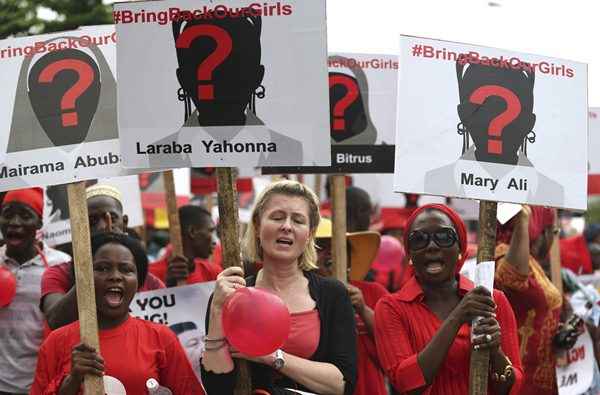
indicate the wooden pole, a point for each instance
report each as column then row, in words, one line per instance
column 555, row 260
column 84, row 278
column 230, row 240
column 480, row 359
column 339, row 251
column 209, row 202
column 318, row 184
column 173, row 215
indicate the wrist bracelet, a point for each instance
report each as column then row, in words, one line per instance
column 215, row 348
column 209, row 340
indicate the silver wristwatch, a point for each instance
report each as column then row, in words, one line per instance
column 279, row 360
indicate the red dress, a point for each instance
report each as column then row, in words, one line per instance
column 404, row 325
column 370, row 379
column 205, row 269
column 133, row 352
column 537, row 305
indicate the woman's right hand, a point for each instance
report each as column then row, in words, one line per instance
column 476, row 303
column 85, row 360
column 228, row 281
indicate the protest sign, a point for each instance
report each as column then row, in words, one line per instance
column 491, row 124
column 204, row 180
column 183, row 309
column 57, row 225
column 362, row 123
column 594, row 147
column 576, row 376
column 58, row 120
column 233, row 84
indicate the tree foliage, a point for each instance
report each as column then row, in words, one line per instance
column 21, row 17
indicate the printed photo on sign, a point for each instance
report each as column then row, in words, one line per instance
column 233, row 84
column 491, row 124
column 183, row 309
column 362, row 120
column 58, row 120
column 57, row 223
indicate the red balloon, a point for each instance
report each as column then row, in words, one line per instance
column 255, row 322
column 8, row 286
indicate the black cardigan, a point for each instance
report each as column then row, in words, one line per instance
column 337, row 342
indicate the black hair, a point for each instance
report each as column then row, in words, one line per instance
column 358, row 203
column 181, row 327
column 133, row 245
column 193, row 215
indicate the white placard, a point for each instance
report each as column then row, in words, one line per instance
column 491, row 124
column 183, row 309
column 506, row 211
column 233, row 83
column 58, row 120
column 594, row 141
column 576, row 377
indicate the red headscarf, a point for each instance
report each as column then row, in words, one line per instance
column 457, row 221
column 540, row 219
column 32, row 197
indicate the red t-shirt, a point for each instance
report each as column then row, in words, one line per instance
column 370, row 379
column 57, row 279
column 404, row 325
column 204, row 271
column 133, row 352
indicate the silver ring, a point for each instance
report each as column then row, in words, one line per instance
column 476, row 347
column 488, row 337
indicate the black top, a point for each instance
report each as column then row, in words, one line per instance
column 337, row 342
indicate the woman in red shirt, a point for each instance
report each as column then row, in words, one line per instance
column 423, row 332
column 131, row 350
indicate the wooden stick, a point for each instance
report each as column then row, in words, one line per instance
column 318, row 185
column 555, row 261
column 480, row 359
column 84, row 278
column 209, row 202
column 230, row 240
column 173, row 215
column 339, row 251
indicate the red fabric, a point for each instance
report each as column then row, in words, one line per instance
column 574, row 255
column 370, row 378
column 457, row 221
column 305, row 332
column 537, row 305
column 404, row 325
column 57, row 279
column 402, row 277
column 389, row 261
column 133, row 352
column 33, row 197
column 540, row 219
column 204, row 271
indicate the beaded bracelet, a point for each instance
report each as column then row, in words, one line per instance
column 504, row 376
column 209, row 340
column 215, row 348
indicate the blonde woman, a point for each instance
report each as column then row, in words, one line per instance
column 320, row 353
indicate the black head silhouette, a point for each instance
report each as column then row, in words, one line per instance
column 347, row 112
column 64, row 90
column 219, row 66
column 496, row 109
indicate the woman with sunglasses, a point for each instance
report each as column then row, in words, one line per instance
column 522, row 271
column 423, row 331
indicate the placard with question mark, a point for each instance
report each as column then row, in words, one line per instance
column 59, row 116
column 362, row 120
column 233, row 83
column 491, row 124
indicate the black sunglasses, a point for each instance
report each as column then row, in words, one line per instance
column 443, row 238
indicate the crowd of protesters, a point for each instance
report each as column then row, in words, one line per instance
column 405, row 322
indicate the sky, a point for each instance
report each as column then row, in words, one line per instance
column 567, row 29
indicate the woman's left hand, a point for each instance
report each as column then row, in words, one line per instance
column 265, row 359
column 486, row 334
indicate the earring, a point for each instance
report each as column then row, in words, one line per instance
column 260, row 92
column 459, row 257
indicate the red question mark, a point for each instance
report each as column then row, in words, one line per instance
column 340, row 107
column 513, row 109
column 86, row 77
column 206, row 68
